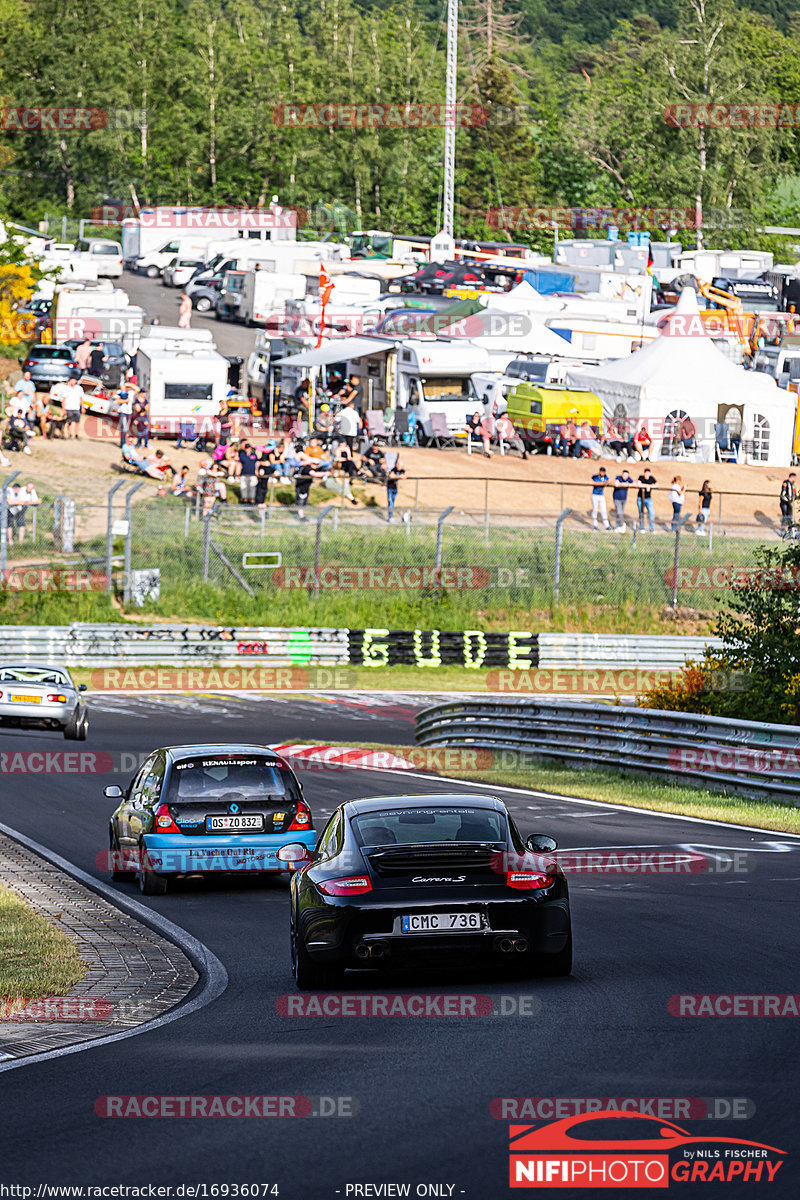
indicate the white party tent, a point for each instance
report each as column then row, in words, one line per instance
column 682, row 373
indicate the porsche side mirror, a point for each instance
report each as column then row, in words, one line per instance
column 294, row 852
column 541, row 843
column 83, row 687
column 113, row 792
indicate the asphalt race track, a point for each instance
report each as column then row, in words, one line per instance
column 422, row 1086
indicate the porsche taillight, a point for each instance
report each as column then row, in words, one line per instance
column 352, row 885
column 528, row 879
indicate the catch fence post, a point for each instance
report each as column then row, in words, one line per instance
column 126, row 595
column 557, row 558
column 109, row 534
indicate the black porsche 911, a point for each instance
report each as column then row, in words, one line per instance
column 427, row 879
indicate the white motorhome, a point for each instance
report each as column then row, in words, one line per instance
column 122, row 325
column 156, row 227
column 92, row 295
column 437, row 377
column 255, row 295
column 185, row 379
column 602, row 339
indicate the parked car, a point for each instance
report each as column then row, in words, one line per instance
column 38, row 696
column 49, row 365
column 105, row 255
column 204, row 293
column 180, row 271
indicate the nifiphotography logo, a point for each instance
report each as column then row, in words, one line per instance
column 614, row 1149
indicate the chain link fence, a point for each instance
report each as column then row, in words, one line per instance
column 478, row 566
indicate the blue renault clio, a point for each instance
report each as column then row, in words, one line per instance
column 193, row 810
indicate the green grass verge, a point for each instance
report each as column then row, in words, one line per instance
column 618, row 788
column 36, row 960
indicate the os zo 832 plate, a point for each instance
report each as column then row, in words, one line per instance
column 254, row 823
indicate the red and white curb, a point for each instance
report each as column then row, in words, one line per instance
column 343, row 756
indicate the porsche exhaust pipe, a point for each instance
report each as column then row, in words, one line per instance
column 362, row 950
column 505, row 945
column 366, row 950
column 521, row 945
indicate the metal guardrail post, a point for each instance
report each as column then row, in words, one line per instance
column 126, row 595
column 710, row 537
column 318, row 547
column 439, row 538
column 4, row 522
column 109, row 534
column 676, row 558
column 557, row 560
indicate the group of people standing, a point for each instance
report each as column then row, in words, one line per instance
column 645, row 485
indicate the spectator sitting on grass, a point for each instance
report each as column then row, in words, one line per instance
column 372, row 462
column 130, row 453
column 315, row 452
column 17, row 431
column 211, row 484
column 181, row 485
column 163, row 464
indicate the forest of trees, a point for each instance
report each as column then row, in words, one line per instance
column 578, row 91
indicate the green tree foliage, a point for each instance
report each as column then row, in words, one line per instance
column 196, row 89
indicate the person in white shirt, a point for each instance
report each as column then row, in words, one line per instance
column 24, row 396
column 347, row 423
column 18, row 501
column 124, row 412
column 72, row 398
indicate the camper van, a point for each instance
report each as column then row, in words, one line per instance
column 70, row 297
column 185, row 378
column 603, row 339
column 253, row 296
column 437, row 377
column 538, row 410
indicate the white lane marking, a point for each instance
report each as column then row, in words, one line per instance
column 213, row 976
column 622, row 808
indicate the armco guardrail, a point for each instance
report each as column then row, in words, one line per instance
column 172, row 645
column 184, row 645
column 579, row 650
column 734, row 756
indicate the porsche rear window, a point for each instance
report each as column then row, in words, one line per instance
column 456, row 823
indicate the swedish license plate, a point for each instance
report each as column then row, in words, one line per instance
column 442, row 922
column 26, row 699
column 230, row 824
